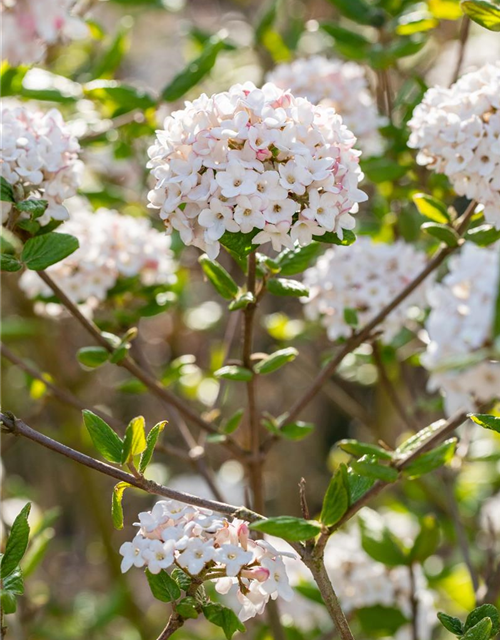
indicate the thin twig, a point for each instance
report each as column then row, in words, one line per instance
column 362, row 335
column 175, row 622
column 132, row 367
column 414, row 603
column 463, row 37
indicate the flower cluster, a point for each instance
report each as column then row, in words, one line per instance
column 38, row 156
column 111, row 245
column 341, row 85
column 460, row 325
column 205, row 545
column 30, row 26
column 363, row 277
column 457, row 132
column 254, row 161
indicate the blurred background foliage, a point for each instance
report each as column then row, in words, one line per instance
column 140, row 61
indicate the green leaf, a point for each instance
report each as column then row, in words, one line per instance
column 431, row 460
column 481, row 631
column 92, row 356
column 431, row 208
column 288, row 528
column 17, row 542
column 350, row 44
column 370, row 467
column 6, row 190
column 276, row 360
column 358, row 485
column 336, row 500
column 418, row 439
column 351, row 317
column 266, row 19
column 9, row 263
column 219, row 277
column 224, row 618
column 42, row 251
column 296, row 260
column 242, row 301
column 194, row 72
column 486, row 421
column 479, row 613
column 14, row 582
column 442, row 232
column 487, row 14
column 484, row 235
column 187, row 607
column 239, row 245
column 450, row 623
column 151, row 441
column 134, row 441
column 162, row 586
column 383, row 170
column 296, row 430
column 8, row 602
column 332, row 238
column 360, row 12
column 427, row 541
column 416, row 22
column 105, row 440
column 35, row 208
column 496, row 318
column 233, row 372
column 182, row 578
column 379, row 542
column 116, row 504
column 284, row 287
column 110, row 59
column 356, row 448
column 118, row 97
column 233, row 423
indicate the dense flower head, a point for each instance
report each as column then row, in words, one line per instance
column 30, row 26
column 39, row 157
column 457, row 132
column 112, row 245
column 208, row 546
column 254, row 161
column 333, row 83
column 364, row 277
column 460, row 326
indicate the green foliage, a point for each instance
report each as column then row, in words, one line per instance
column 296, row 430
column 431, row 460
column 336, row 500
column 233, row 372
column 6, row 191
column 17, row 543
column 134, row 441
column 450, row 623
column 105, row 440
column 35, row 208
column 230, row 425
column 442, row 232
column 486, row 421
column 427, row 541
column 219, row 278
column 42, row 251
column 431, row 208
column 485, row 13
column 116, row 504
column 276, row 360
column 162, row 586
column 288, row 528
column 92, row 356
column 369, row 466
column 483, row 235
column 356, row 448
column 242, row 301
column 188, row 607
column 296, row 260
column 379, row 542
column 380, row 621
column 285, row 287
column 151, row 440
column 224, row 618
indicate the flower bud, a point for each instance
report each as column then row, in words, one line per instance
column 261, row 574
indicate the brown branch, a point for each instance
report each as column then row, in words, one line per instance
column 132, row 367
column 175, row 622
column 362, row 335
column 463, row 37
column 414, row 603
column 19, row 428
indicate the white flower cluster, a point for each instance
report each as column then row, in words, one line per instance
column 457, row 132
column 460, row 324
column 254, row 161
column 39, row 156
column 202, row 543
column 364, row 277
column 337, row 84
column 30, row 26
column 111, row 245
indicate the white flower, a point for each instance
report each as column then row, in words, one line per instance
column 39, row 155
column 457, row 130
column 365, row 277
column 133, row 553
column 29, row 26
column 233, row 558
column 111, row 246
column 277, row 583
column 341, row 85
column 196, row 555
column 460, row 325
column 159, row 555
column 239, row 159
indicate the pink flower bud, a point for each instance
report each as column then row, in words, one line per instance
column 242, row 533
column 261, row 574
